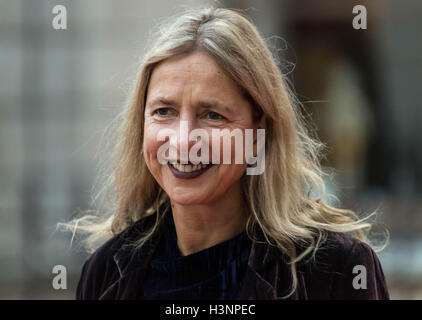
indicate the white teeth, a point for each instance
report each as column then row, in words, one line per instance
column 188, row 167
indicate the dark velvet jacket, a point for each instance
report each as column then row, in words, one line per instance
column 117, row 271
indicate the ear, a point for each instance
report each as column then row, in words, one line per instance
column 260, row 123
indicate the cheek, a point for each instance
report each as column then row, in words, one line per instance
column 150, row 147
column 236, row 156
column 232, row 172
column 229, row 175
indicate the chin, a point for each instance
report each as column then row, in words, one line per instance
column 188, row 198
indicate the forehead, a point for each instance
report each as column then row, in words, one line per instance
column 195, row 73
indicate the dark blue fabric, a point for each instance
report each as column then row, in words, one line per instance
column 213, row 273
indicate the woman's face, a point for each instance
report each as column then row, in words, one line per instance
column 185, row 90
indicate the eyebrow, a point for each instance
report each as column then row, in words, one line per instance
column 161, row 100
column 214, row 104
column 204, row 104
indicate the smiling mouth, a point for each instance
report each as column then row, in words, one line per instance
column 188, row 167
column 188, row 171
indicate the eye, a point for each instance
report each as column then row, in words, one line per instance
column 214, row 116
column 163, row 112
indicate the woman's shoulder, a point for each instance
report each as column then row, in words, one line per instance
column 339, row 245
column 100, row 267
column 345, row 268
column 106, row 251
column 336, row 251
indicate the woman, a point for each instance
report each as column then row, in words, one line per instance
column 209, row 230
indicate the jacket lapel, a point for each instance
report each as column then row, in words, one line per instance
column 265, row 269
column 132, row 263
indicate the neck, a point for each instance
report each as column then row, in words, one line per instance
column 204, row 225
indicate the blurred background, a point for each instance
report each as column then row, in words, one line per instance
column 59, row 89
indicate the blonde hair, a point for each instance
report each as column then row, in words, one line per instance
column 279, row 200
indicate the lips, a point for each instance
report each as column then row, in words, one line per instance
column 188, row 171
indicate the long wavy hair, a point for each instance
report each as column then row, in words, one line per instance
column 280, row 200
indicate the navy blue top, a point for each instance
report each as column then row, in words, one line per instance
column 214, row 273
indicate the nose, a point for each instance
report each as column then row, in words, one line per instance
column 181, row 143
